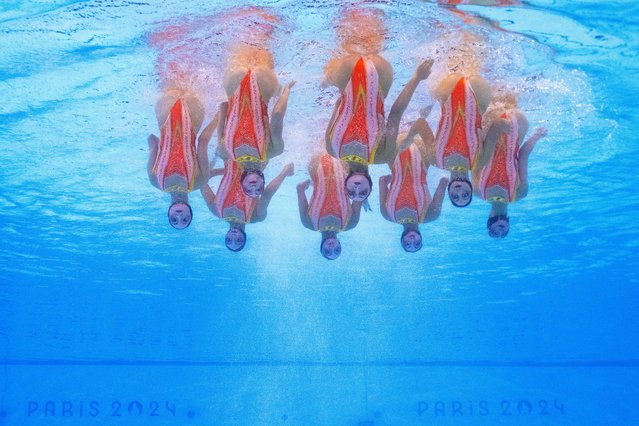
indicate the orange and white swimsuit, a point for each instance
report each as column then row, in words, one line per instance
column 232, row 204
column 457, row 133
column 176, row 152
column 329, row 208
column 408, row 197
column 499, row 179
column 246, row 132
column 359, row 123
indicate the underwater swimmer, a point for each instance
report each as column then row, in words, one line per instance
column 175, row 164
column 501, row 175
column 329, row 211
column 463, row 96
column 245, row 133
column 358, row 131
column 403, row 195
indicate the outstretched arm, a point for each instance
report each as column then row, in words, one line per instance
column 153, row 153
column 269, row 191
column 277, row 122
column 435, row 206
column 356, row 208
column 202, row 151
column 422, row 128
column 397, row 110
column 209, row 197
column 384, row 181
column 524, row 153
column 215, row 172
column 302, row 204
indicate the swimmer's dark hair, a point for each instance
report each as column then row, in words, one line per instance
column 240, row 247
column 492, row 220
column 401, row 239
column 322, row 245
column 471, row 191
column 168, row 212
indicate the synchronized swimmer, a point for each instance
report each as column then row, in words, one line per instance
column 478, row 141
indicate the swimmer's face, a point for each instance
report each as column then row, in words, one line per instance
column 499, row 228
column 460, row 193
column 180, row 215
column 358, row 187
column 412, row 241
column 235, row 239
column 253, row 184
column 331, row 248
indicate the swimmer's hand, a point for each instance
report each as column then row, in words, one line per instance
column 423, row 70
column 384, row 180
column 303, row 186
column 540, row 132
column 289, row 169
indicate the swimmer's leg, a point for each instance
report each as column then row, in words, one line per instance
column 445, row 87
column 482, row 92
column 338, row 71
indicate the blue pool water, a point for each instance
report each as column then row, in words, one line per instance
column 110, row 316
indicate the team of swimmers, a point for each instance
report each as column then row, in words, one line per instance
column 478, row 141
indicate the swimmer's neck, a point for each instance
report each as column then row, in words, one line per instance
column 411, row 227
column 252, row 165
column 179, row 197
column 499, row 208
column 329, row 234
column 354, row 167
column 236, row 225
column 458, row 174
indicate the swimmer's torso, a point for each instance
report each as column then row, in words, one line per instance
column 408, row 197
column 329, row 208
column 457, row 137
column 176, row 162
column 358, row 125
column 499, row 179
column 232, row 204
column 246, row 132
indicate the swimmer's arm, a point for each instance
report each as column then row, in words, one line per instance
column 202, row 151
column 383, row 195
column 209, row 197
column 435, row 206
column 420, row 127
column 524, row 153
column 397, row 110
column 269, row 191
column 356, row 208
column 302, row 204
column 153, row 153
column 221, row 147
column 277, row 122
